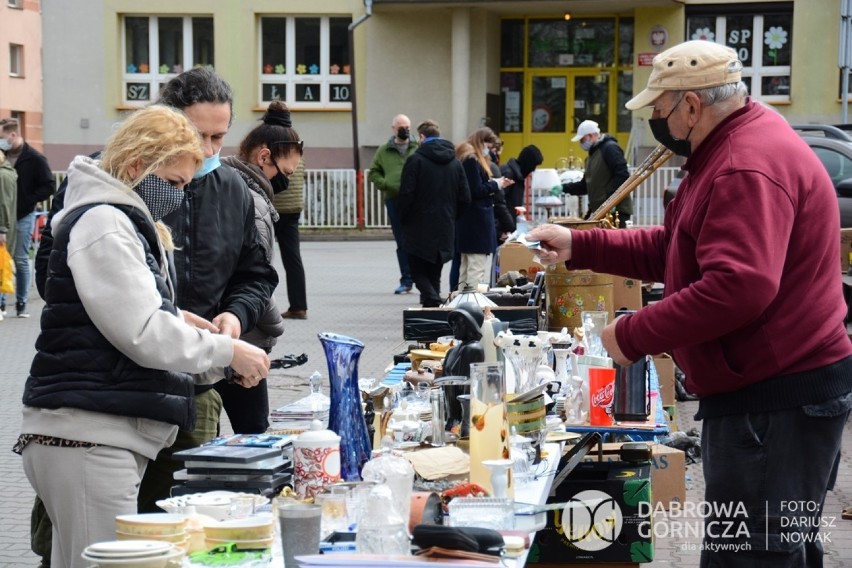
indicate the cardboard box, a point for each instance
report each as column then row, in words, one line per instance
column 428, row 324
column 515, row 256
column 845, row 248
column 666, row 376
column 602, row 522
column 668, row 471
column 626, row 293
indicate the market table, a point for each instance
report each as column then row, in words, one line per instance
column 534, row 491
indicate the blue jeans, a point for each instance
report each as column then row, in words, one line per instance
column 401, row 256
column 21, row 254
column 774, row 469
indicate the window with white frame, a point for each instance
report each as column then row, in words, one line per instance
column 19, row 4
column 304, row 61
column 761, row 34
column 16, row 60
column 156, row 48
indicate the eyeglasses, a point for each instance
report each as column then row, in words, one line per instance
column 299, row 143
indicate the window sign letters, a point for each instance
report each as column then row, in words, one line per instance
column 138, row 92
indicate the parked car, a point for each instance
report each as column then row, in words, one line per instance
column 833, row 147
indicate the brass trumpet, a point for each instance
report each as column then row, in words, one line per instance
column 655, row 159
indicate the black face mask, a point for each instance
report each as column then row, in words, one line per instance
column 279, row 181
column 661, row 132
column 402, row 133
column 160, row 196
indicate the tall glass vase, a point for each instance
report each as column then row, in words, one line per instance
column 489, row 423
column 345, row 415
column 524, row 353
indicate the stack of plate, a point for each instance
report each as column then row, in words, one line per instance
column 255, row 532
column 162, row 527
column 133, row 554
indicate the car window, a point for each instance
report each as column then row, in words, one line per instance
column 839, row 167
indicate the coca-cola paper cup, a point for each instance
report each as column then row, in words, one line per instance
column 601, row 394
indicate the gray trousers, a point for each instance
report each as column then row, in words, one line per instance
column 83, row 490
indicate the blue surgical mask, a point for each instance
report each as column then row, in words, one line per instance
column 587, row 145
column 208, row 166
column 5, row 145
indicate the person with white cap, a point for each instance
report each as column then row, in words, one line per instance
column 752, row 312
column 605, row 171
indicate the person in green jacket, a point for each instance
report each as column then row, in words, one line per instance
column 8, row 204
column 386, row 173
column 606, row 170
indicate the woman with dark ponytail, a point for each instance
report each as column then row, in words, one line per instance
column 267, row 155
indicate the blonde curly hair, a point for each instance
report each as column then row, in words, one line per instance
column 149, row 138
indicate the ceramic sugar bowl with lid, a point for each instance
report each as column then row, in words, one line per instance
column 316, row 460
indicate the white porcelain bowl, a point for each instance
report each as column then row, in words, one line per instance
column 215, row 504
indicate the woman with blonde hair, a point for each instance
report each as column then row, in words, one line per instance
column 109, row 385
column 476, row 235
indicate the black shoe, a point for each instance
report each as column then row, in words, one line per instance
column 21, row 310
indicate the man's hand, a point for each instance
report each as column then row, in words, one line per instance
column 228, row 324
column 250, row 363
column 611, row 344
column 2, row 239
column 199, row 322
column 555, row 243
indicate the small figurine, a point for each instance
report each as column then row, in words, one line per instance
column 466, row 323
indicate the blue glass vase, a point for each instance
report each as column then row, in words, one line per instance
column 346, row 418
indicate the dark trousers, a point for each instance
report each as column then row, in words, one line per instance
column 455, row 269
column 405, row 277
column 287, row 233
column 427, row 278
column 248, row 409
column 778, row 465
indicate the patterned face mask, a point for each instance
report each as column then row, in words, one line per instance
column 159, row 196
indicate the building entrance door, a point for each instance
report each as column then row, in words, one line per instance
column 558, row 102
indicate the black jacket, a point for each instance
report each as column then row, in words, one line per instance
column 528, row 160
column 476, row 228
column 432, row 195
column 76, row 366
column 35, row 180
column 219, row 260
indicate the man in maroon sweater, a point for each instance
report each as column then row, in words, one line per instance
column 753, row 308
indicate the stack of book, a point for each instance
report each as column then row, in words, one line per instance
column 249, row 463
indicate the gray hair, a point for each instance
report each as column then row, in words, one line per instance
column 721, row 93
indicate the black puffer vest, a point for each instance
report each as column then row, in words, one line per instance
column 76, row 366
